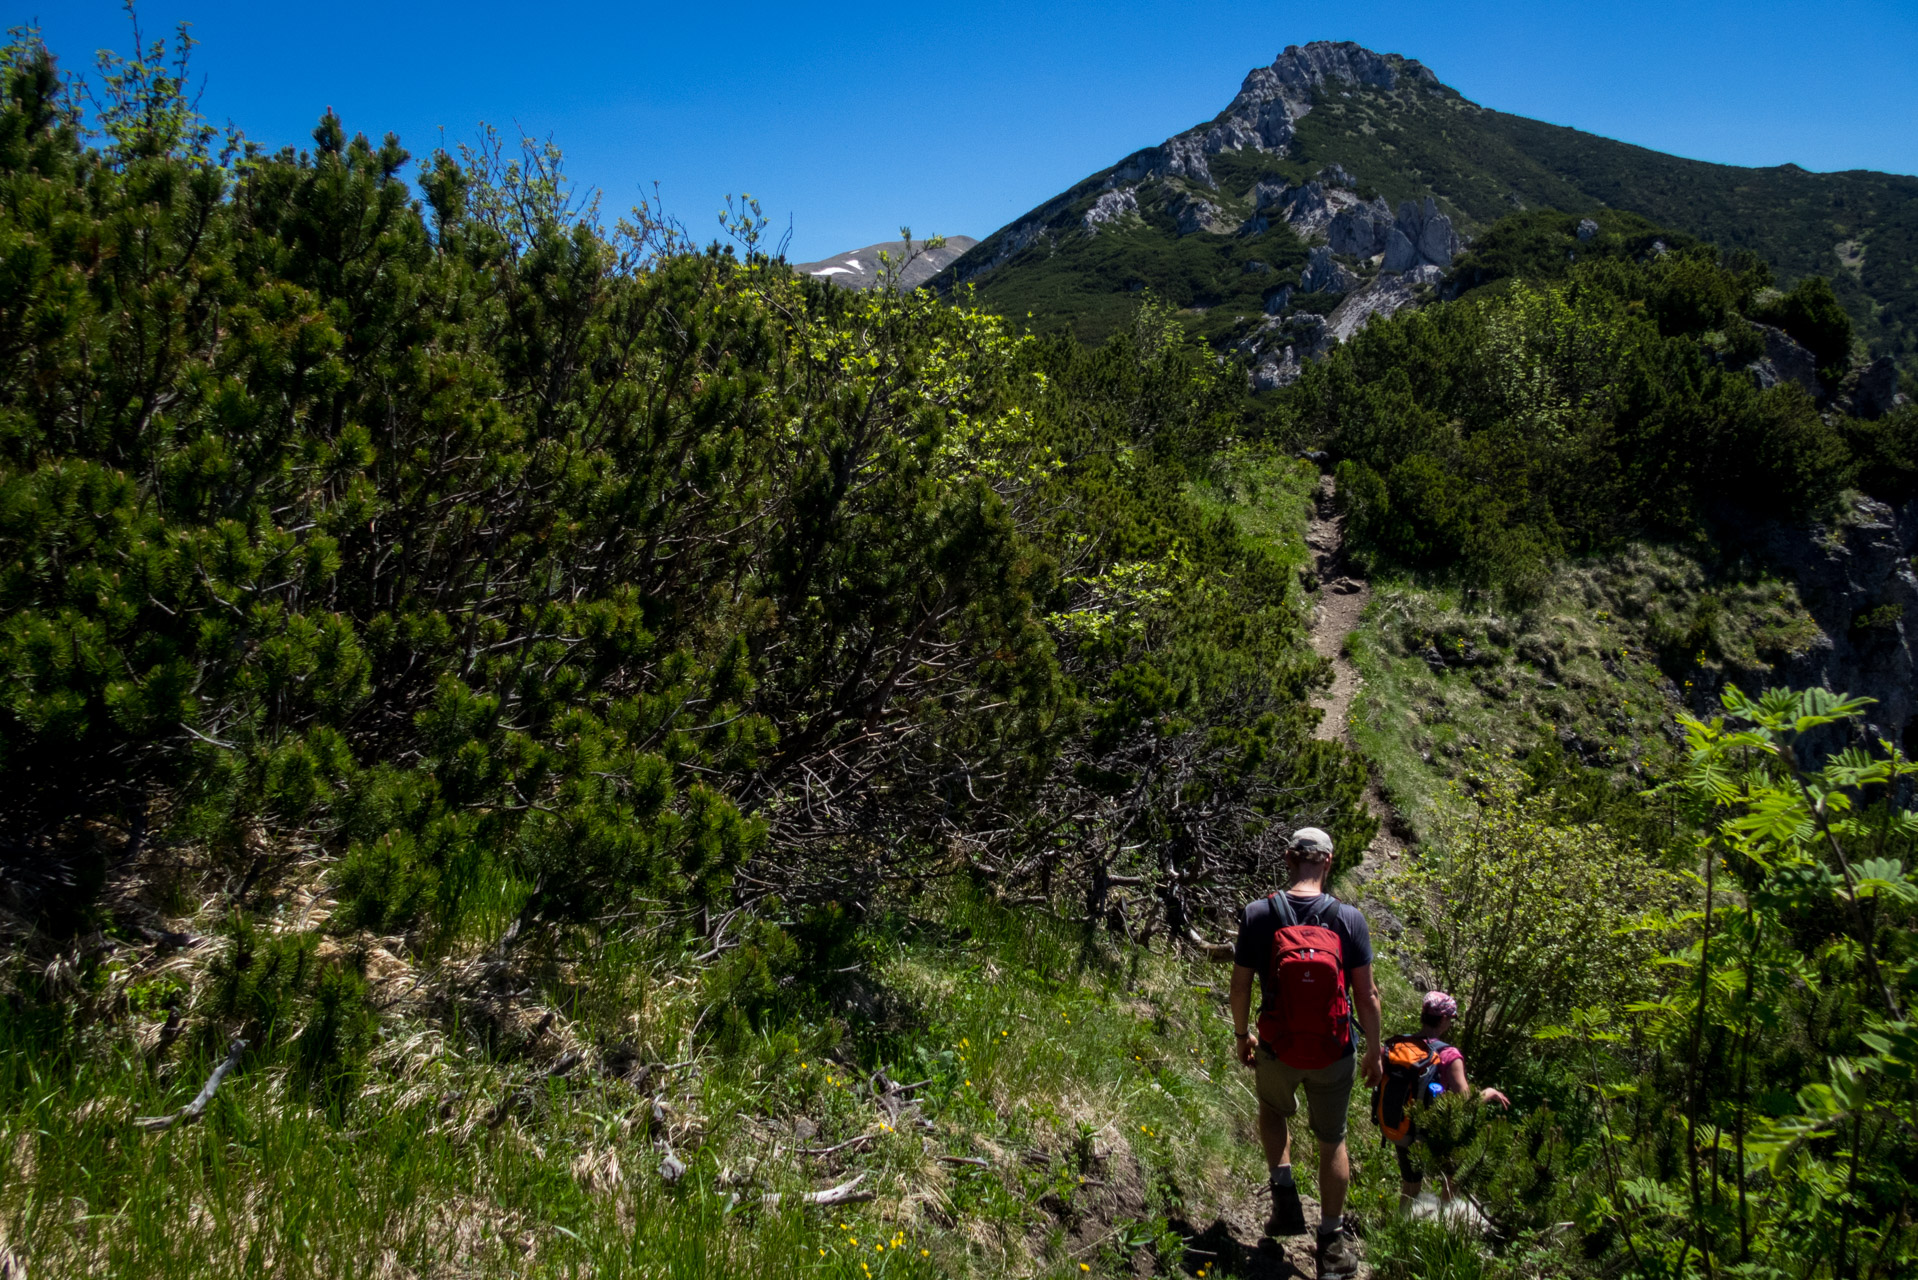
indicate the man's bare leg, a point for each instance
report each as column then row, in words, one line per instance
column 1275, row 1135
column 1335, row 1175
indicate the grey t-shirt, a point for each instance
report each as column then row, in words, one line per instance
column 1262, row 919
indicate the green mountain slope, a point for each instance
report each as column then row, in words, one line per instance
column 1401, row 135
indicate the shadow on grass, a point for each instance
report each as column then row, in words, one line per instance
column 1217, row 1250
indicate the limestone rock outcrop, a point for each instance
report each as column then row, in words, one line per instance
column 1311, row 210
column 1273, row 99
column 1382, row 296
column 1278, row 349
column 1873, row 391
column 1421, row 234
column 1184, row 157
column 1360, row 230
column 1194, row 214
column 1858, row 583
column 1324, row 274
column 1785, row 361
column 906, row 266
column 1110, row 207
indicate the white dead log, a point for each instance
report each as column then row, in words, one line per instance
column 849, row 1143
column 1217, row 951
column 845, row 1193
column 909, row 1088
column 194, row 1109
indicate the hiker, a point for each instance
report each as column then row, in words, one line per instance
column 1417, row 1068
column 1313, row 956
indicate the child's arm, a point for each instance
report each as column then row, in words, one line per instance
column 1452, row 1077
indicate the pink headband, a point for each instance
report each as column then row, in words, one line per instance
column 1440, row 1005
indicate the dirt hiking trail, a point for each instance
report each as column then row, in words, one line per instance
column 1341, row 599
column 1234, row 1239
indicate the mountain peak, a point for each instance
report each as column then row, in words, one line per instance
column 1335, row 167
column 1309, row 66
column 1273, row 99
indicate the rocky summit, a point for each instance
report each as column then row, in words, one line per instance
column 1344, row 183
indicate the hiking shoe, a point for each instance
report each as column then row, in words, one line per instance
column 1339, row 1253
column 1288, row 1215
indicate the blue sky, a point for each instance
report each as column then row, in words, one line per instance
column 855, row 118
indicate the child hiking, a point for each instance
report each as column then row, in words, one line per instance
column 1313, row 957
column 1418, row 1068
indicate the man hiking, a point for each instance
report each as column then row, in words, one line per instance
column 1418, row 1067
column 1313, row 957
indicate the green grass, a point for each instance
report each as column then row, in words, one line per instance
column 1092, row 1076
column 1403, row 1249
column 1586, row 682
column 1267, row 495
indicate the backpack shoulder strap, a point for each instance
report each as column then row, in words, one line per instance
column 1282, row 908
column 1325, row 907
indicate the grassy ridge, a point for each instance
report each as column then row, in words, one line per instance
column 1575, row 682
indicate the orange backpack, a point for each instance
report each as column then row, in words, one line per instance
column 1411, row 1069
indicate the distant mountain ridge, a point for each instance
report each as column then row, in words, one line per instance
column 1316, row 160
column 860, row 268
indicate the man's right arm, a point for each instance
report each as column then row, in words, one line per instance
column 1243, row 1047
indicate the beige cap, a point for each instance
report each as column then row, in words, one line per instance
column 1311, row 844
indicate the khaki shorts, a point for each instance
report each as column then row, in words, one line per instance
column 1328, row 1092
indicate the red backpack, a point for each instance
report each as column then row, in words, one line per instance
column 1310, row 1022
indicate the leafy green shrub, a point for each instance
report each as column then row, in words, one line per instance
column 780, row 971
column 1486, row 438
column 753, row 984
column 256, row 986
column 508, row 540
column 384, row 886
column 1543, row 244
column 1883, row 617
column 1812, row 315
column 1887, row 453
column 1524, row 918
column 329, row 1053
column 1516, row 1171
column 274, row 990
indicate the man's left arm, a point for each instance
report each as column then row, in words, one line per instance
column 1365, row 1001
